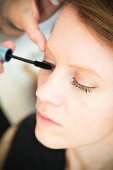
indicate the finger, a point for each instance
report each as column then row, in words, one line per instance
column 33, row 31
column 37, row 36
column 8, row 44
column 30, row 25
column 9, row 28
column 1, row 67
column 35, row 10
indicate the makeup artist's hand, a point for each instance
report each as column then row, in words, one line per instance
column 25, row 15
column 8, row 44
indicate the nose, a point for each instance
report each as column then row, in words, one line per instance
column 52, row 91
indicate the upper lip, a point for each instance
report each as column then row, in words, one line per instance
column 46, row 117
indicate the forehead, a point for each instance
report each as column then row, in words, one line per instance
column 70, row 32
column 72, row 37
column 73, row 43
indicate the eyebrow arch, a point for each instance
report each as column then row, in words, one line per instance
column 84, row 69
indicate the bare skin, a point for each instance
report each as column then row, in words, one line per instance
column 80, row 111
column 29, row 13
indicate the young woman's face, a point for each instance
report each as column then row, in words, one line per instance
column 76, row 97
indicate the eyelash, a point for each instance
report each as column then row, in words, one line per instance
column 50, row 64
column 82, row 87
column 74, row 82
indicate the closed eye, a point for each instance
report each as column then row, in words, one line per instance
column 82, row 87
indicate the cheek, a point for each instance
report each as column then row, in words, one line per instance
column 88, row 122
column 94, row 106
column 85, row 119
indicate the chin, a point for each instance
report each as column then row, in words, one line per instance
column 49, row 140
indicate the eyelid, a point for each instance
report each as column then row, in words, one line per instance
column 96, row 78
column 86, row 79
column 82, row 87
column 83, row 83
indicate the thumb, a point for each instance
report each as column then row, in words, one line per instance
column 36, row 35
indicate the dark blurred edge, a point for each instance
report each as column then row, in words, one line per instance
column 4, row 123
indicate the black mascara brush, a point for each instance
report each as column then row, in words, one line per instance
column 6, row 55
column 43, row 64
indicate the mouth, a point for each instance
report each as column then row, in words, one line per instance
column 45, row 120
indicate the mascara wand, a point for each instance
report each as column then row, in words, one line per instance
column 6, row 54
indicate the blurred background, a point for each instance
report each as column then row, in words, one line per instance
column 18, row 82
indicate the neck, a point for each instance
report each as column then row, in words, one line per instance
column 94, row 157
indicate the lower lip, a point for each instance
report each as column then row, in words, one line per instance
column 44, row 120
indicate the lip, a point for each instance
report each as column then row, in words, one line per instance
column 43, row 119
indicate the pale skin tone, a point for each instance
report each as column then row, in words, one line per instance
column 85, row 118
column 83, row 108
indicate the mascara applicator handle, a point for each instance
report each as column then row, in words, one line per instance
column 5, row 54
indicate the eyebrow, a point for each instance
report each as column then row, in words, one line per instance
column 84, row 69
column 87, row 70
